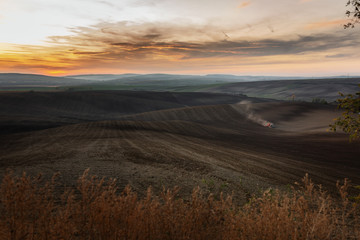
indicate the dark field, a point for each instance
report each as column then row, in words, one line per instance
column 215, row 141
column 303, row 90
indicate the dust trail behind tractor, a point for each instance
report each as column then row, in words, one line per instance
column 246, row 109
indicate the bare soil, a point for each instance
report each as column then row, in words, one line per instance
column 214, row 145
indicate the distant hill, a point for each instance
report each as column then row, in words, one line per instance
column 160, row 78
column 18, row 79
column 306, row 90
column 102, row 77
column 129, row 81
column 119, row 78
column 173, row 80
column 273, row 87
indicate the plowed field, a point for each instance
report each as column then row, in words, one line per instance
column 219, row 147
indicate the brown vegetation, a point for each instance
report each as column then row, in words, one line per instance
column 96, row 209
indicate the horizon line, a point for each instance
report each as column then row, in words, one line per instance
column 199, row 75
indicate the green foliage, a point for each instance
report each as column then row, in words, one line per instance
column 349, row 122
column 353, row 13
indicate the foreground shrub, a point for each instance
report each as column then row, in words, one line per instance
column 95, row 209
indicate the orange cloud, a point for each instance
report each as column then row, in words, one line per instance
column 244, row 4
column 39, row 59
column 323, row 24
column 124, row 47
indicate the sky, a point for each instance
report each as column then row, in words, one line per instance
column 250, row 37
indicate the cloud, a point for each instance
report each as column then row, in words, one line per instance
column 107, row 3
column 124, row 39
column 339, row 55
column 150, row 45
column 244, row 4
column 324, row 24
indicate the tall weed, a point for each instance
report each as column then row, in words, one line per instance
column 96, row 209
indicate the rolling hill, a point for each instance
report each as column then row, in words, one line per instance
column 301, row 90
column 8, row 80
column 159, row 139
column 20, row 111
column 281, row 88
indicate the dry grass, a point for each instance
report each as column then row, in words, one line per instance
column 31, row 209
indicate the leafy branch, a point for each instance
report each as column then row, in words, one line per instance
column 349, row 122
column 354, row 13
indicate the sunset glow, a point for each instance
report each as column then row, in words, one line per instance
column 189, row 37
